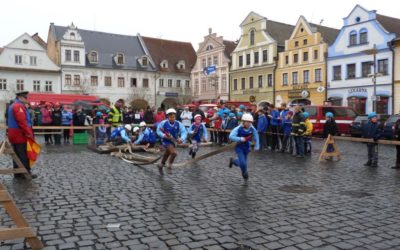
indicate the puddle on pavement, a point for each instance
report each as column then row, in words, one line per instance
column 298, row 189
column 356, row 194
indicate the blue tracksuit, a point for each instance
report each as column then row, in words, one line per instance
column 146, row 136
column 262, row 124
column 66, row 118
column 372, row 131
column 275, row 118
column 232, row 123
column 242, row 149
column 201, row 132
column 120, row 132
column 176, row 130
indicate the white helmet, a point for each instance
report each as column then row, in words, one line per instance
column 198, row 115
column 128, row 127
column 247, row 117
column 135, row 129
column 171, row 111
column 142, row 124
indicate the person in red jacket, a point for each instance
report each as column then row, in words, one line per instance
column 20, row 129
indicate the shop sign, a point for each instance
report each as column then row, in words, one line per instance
column 357, row 90
column 171, row 94
column 252, row 98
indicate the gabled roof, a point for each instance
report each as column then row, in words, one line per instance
column 39, row 40
column 173, row 52
column 391, row 24
column 328, row 34
column 229, row 47
column 279, row 31
column 108, row 45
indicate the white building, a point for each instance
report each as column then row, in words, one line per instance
column 24, row 65
column 110, row 66
column 213, row 51
column 351, row 64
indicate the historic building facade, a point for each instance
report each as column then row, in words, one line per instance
column 174, row 61
column 24, row 65
column 360, row 55
column 110, row 66
column 213, row 51
column 254, row 59
column 396, row 70
column 301, row 69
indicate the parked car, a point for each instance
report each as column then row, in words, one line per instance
column 388, row 126
column 357, row 125
column 344, row 116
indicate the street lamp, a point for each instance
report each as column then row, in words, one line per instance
column 373, row 52
column 215, row 85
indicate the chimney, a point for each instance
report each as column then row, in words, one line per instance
column 209, row 31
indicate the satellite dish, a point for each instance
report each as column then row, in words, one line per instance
column 320, row 89
column 304, row 93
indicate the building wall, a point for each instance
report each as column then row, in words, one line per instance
column 180, row 94
column 396, row 94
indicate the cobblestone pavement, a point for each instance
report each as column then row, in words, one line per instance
column 288, row 203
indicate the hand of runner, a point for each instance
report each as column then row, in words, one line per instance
column 179, row 141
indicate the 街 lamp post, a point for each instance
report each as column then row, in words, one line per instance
column 375, row 74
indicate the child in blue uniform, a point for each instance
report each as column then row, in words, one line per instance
column 198, row 132
column 146, row 136
column 120, row 135
column 171, row 132
column 243, row 135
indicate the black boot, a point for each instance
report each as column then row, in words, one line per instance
column 190, row 152
column 367, row 164
column 193, row 155
column 230, row 162
column 397, row 166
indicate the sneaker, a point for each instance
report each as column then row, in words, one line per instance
column 367, row 164
column 395, row 167
column 34, row 176
column 190, row 152
column 230, row 162
column 299, row 156
column 246, row 176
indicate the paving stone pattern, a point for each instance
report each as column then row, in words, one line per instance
column 206, row 206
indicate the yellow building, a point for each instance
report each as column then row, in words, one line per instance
column 253, row 60
column 396, row 63
column 301, row 67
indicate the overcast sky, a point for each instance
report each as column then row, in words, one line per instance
column 183, row 20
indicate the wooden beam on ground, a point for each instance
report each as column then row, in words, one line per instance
column 354, row 139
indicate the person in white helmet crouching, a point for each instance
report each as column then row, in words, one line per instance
column 120, row 135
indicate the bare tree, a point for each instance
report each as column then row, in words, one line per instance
column 84, row 87
column 138, row 95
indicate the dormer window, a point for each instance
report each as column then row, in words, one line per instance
column 209, row 47
column 72, row 35
column 144, row 61
column 120, row 59
column 93, row 57
column 164, row 64
column 181, row 65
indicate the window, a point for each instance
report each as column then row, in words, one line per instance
column 215, row 60
column 296, row 44
column 248, row 59
column 295, row 58
column 316, row 54
column 178, row 83
column 318, row 76
column 145, row 82
column 77, row 79
column 120, row 59
column 260, row 81
column 68, row 55
column 204, row 63
column 365, row 69
column 209, row 61
column 48, row 86
column 353, row 38
column 337, row 72
column 357, row 103
column 294, row 78
column 121, row 82
column 256, row 57
column 133, row 82
column 93, row 57
column 306, row 76
column 161, row 83
column 94, row 81
column 383, row 66
column 284, row 79
column 251, row 82
column 235, row 84
column 33, row 60
column 18, row 59
column 209, row 47
column 223, row 83
column 305, row 56
column 20, row 85
column 203, row 85
column 3, row 84
column 107, row 81
column 72, row 35
column 240, row 61
column 76, row 55
column 305, row 42
column 286, row 59
column 187, row 84
column 169, row 83
column 68, row 79
column 351, row 71
column 252, row 33
column 265, row 55
column 382, row 105
column 270, row 80
column 36, row 86
column 363, row 36
column 243, row 83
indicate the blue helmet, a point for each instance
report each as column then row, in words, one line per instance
column 306, row 115
column 226, row 111
column 329, row 114
column 372, row 115
column 99, row 114
column 239, row 114
column 231, row 115
column 242, row 106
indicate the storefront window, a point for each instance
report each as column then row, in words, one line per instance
column 382, row 105
column 301, row 102
column 335, row 101
column 357, row 103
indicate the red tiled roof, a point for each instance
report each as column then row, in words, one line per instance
column 39, row 40
column 391, row 24
column 229, row 47
column 173, row 52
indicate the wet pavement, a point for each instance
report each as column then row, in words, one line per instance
column 83, row 200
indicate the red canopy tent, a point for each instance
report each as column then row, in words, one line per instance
column 63, row 99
